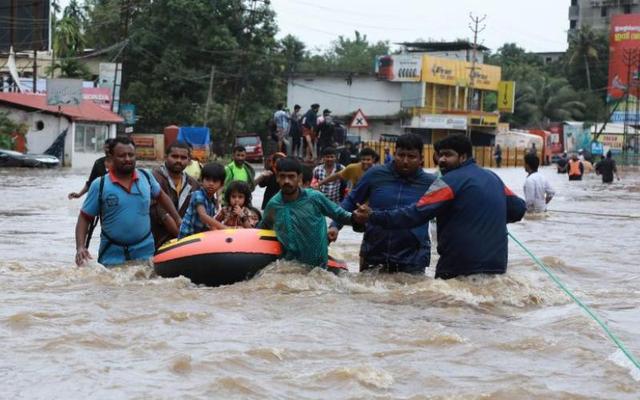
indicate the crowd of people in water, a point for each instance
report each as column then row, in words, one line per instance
column 391, row 202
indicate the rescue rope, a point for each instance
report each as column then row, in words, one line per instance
column 596, row 214
column 579, row 302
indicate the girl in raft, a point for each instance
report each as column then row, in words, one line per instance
column 199, row 217
column 239, row 213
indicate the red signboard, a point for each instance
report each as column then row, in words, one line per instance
column 624, row 41
column 100, row 96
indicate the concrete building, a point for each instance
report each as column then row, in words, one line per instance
column 597, row 13
column 550, row 56
column 344, row 94
column 87, row 125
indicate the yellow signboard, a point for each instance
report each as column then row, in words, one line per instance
column 506, row 96
column 444, row 71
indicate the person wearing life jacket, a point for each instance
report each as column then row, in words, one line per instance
column 575, row 168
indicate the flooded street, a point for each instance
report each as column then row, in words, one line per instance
column 79, row 333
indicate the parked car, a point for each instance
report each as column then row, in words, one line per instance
column 10, row 158
column 253, row 145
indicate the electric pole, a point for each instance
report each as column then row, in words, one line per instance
column 209, row 96
column 630, row 59
column 474, row 26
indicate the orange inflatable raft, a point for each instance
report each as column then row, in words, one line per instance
column 222, row 257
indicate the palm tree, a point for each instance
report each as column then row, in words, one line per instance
column 542, row 100
column 582, row 48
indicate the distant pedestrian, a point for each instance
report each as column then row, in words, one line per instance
column 309, row 128
column 607, row 168
column 295, row 132
column 239, row 169
column 281, row 119
column 387, row 156
column 537, row 191
column 497, row 155
column 326, row 131
column 268, row 180
column 575, row 169
column 562, row 164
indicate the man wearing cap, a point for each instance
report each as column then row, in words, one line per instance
column 326, row 131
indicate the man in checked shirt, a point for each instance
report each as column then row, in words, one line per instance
column 328, row 167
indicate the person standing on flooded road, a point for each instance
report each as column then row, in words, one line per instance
column 472, row 206
column 122, row 200
column 100, row 168
column 607, row 168
column 179, row 186
column 398, row 184
column 298, row 217
column 537, row 190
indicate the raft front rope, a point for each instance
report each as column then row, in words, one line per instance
column 579, row 302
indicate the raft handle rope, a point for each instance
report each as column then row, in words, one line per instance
column 596, row 214
column 579, row 302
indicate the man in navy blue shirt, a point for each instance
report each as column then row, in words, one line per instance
column 397, row 184
column 472, row 207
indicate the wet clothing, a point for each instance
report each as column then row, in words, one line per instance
column 98, row 170
column 606, row 168
column 352, row 173
column 332, row 189
column 244, row 173
column 272, row 187
column 326, row 135
column 191, row 222
column 246, row 219
column 536, row 190
column 385, row 189
column 125, row 223
column 472, row 207
column 562, row 165
column 301, row 227
column 180, row 197
column 575, row 169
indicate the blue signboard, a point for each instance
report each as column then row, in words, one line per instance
column 128, row 112
column 597, row 149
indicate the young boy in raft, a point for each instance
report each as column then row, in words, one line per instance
column 203, row 204
column 239, row 213
column 298, row 217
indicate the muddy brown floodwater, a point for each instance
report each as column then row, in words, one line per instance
column 77, row 333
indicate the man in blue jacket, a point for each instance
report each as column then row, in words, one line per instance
column 472, row 207
column 398, row 184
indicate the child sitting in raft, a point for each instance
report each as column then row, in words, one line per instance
column 239, row 213
column 199, row 217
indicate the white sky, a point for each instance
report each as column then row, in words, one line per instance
column 536, row 25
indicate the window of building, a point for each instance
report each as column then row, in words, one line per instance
column 573, row 24
column 574, row 2
column 603, row 11
column 627, row 9
column 90, row 138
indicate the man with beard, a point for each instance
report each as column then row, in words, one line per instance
column 472, row 207
column 398, row 184
column 298, row 217
column 175, row 182
column 121, row 199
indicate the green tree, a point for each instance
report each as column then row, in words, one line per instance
column 541, row 100
column 69, row 42
column 588, row 49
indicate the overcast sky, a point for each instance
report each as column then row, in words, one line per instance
column 537, row 25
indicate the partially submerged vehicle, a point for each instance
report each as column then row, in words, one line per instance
column 10, row 158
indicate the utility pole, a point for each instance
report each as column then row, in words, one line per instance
column 474, row 26
column 209, row 96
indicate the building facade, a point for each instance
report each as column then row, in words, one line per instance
column 597, row 13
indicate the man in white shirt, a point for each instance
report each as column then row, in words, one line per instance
column 537, row 191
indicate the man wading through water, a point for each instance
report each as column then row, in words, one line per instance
column 178, row 186
column 121, row 199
